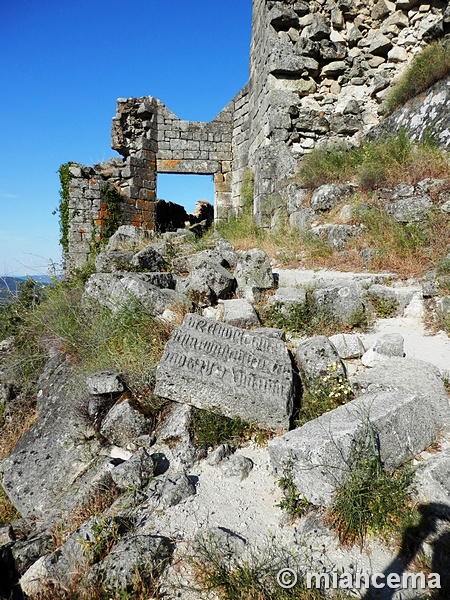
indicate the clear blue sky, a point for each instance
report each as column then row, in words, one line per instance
column 63, row 64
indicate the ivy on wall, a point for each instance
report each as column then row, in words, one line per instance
column 109, row 219
column 64, row 178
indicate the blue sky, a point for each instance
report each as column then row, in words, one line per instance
column 63, row 64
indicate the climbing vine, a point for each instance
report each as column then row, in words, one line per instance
column 64, row 178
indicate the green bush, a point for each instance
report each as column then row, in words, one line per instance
column 372, row 500
column 426, row 68
column 210, row 429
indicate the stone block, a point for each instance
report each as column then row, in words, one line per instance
column 239, row 313
column 321, row 451
column 105, row 382
column 235, row 372
column 316, row 357
column 348, row 345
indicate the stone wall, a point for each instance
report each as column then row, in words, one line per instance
column 319, row 72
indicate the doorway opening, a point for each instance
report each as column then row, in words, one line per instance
column 185, row 189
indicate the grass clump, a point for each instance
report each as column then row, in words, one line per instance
column 220, row 570
column 292, row 503
column 376, row 163
column 371, row 500
column 384, row 307
column 8, row 512
column 210, row 429
column 324, row 394
column 429, row 66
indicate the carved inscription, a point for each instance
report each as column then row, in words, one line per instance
column 210, row 364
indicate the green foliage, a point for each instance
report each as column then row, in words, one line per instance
column 384, row 307
column 375, row 163
column 324, row 394
column 443, row 267
column 371, row 500
column 426, row 68
column 12, row 314
column 308, row 318
column 292, row 503
column 64, row 178
column 210, row 429
column 130, row 340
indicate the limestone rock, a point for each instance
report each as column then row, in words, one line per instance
column 236, row 467
column 209, row 282
column 128, row 237
column 105, row 382
column 169, row 490
column 239, row 313
column 321, row 450
column 287, row 297
column 148, row 259
column 111, row 262
column 383, row 349
column 348, row 345
column 411, row 210
column 327, row 196
column 135, row 472
column 343, row 302
column 235, row 372
column 123, row 424
column 254, row 268
column 316, row 356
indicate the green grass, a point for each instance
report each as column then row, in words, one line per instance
column 231, row 577
column 210, row 429
column 292, row 502
column 383, row 162
column 372, row 500
column 426, row 68
column 384, row 307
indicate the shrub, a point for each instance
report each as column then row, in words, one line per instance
column 371, row 500
column 292, row 503
column 426, row 68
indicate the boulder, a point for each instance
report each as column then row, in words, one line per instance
column 134, row 473
column 123, row 424
column 210, row 282
column 327, row 196
column 128, row 237
column 432, row 479
column 168, row 490
column 105, row 382
column 148, row 259
column 415, row 209
column 386, row 346
column 322, row 451
column 412, row 375
column 114, row 261
column 316, row 357
column 239, row 313
column 254, row 268
column 215, row 366
column 342, row 302
column 236, row 467
column 348, row 345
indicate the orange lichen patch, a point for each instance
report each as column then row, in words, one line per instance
column 81, row 230
column 102, row 216
column 137, row 220
column 169, row 165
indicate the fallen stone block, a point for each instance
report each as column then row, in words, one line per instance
column 320, row 452
column 234, row 372
column 239, row 313
column 385, row 347
column 317, row 357
column 348, row 345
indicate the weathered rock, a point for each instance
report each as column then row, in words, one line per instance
column 254, row 268
column 111, row 262
column 250, row 293
column 236, row 467
column 129, row 237
column 339, row 235
column 105, row 382
column 432, row 479
column 285, row 299
column 219, row 454
column 209, row 282
column 239, row 313
column 378, row 43
column 301, row 218
column 415, row 209
column 383, row 349
column 412, row 375
column 149, row 259
column 316, row 357
column 169, row 490
column 327, row 196
column 219, row 367
column 27, row 552
column 123, row 424
column 343, row 302
column 146, row 555
column 55, row 445
column 348, row 345
column 295, row 197
column 135, row 472
column 321, row 450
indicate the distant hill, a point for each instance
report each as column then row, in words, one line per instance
column 10, row 285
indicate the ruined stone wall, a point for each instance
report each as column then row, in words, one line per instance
column 319, row 72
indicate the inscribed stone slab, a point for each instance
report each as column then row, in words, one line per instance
column 216, row 366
